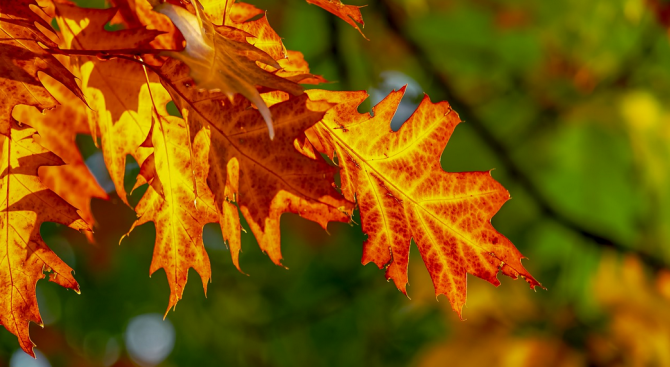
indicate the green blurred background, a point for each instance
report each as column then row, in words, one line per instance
column 566, row 100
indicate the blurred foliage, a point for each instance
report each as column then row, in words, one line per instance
column 567, row 101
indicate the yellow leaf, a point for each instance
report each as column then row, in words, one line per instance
column 183, row 207
column 116, row 90
column 24, row 256
column 58, row 129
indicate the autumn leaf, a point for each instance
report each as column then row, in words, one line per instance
column 265, row 177
column 182, row 206
column 349, row 13
column 139, row 13
column 24, row 256
column 403, row 194
column 127, row 99
column 58, row 129
column 22, row 58
column 295, row 68
column 219, row 61
column 246, row 18
column 292, row 64
column 233, row 82
column 116, row 90
column 85, row 30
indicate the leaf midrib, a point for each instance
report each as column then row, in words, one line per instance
column 390, row 183
column 258, row 164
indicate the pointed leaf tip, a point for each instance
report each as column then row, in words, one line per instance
column 404, row 194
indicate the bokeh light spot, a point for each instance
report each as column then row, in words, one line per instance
column 21, row 359
column 149, row 339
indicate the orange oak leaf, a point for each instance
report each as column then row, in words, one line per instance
column 85, row 30
column 121, row 114
column 182, row 206
column 229, row 12
column 295, row 68
column 22, row 58
column 236, row 12
column 24, row 257
column 116, row 90
column 292, row 65
column 265, row 177
column 349, row 13
column 264, row 37
column 403, row 194
column 139, row 13
column 219, row 61
column 58, row 129
column 241, row 16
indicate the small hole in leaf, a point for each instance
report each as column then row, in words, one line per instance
column 172, row 109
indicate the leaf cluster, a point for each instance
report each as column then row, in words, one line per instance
column 249, row 142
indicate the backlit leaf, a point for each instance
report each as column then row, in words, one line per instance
column 58, row 129
column 265, row 177
column 115, row 89
column 349, row 13
column 404, row 194
column 22, row 58
column 219, row 61
column 24, row 257
column 181, row 208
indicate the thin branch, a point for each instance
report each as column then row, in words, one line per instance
column 502, row 152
